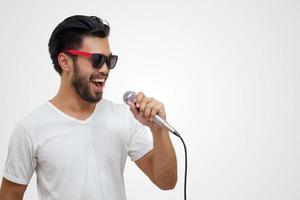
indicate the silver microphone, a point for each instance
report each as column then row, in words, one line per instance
column 131, row 96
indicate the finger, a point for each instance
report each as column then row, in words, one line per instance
column 145, row 101
column 139, row 97
column 155, row 110
column 131, row 104
column 133, row 109
column 148, row 109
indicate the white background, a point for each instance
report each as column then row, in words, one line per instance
column 227, row 72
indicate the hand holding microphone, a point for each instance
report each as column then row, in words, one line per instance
column 148, row 111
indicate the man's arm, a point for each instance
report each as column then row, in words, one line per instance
column 159, row 164
column 11, row 191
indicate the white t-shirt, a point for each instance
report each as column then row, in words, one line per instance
column 76, row 159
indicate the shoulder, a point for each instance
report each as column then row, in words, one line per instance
column 117, row 113
column 41, row 117
column 115, row 109
column 37, row 114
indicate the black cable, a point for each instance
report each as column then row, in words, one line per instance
column 185, row 163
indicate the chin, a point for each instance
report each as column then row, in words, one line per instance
column 98, row 96
column 92, row 98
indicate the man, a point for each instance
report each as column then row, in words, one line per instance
column 78, row 142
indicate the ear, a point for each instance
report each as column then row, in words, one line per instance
column 65, row 62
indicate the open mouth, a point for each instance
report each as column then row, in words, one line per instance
column 98, row 82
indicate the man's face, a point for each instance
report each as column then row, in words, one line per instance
column 88, row 81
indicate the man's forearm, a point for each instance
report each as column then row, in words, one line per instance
column 164, row 160
column 10, row 195
column 11, row 191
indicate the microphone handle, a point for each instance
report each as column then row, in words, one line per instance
column 158, row 120
column 163, row 123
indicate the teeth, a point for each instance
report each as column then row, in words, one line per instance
column 98, row 80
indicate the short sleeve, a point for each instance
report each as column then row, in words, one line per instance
column 20, row 162
column 140, row 141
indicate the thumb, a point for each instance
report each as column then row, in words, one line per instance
column 133, row 108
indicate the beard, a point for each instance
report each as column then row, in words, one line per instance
column 82, row 87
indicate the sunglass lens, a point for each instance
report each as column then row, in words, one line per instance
column 112, row 61
column 98, row 60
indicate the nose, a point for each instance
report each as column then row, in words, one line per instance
column 103, row 69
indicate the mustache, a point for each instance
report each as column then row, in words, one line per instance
column 100, row 75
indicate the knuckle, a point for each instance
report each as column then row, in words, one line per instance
column 141, row 94
column 149, row 100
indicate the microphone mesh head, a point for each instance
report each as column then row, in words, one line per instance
column 129, row 96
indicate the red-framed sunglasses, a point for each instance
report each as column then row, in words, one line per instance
column 97, row 59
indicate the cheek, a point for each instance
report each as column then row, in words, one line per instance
column 85, row 68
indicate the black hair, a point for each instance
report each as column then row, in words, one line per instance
column 70, row 32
